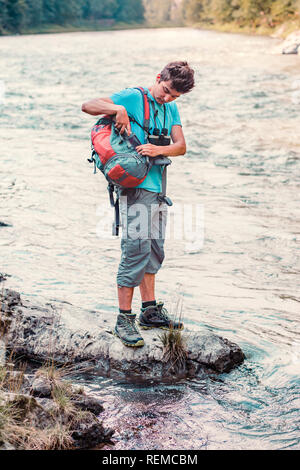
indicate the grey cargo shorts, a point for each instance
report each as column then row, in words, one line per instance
column 143, row 220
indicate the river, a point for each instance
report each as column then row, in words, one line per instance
column 241, row 124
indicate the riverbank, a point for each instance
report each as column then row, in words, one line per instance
column 89, row 26
column 281, row 31
column 42, row 410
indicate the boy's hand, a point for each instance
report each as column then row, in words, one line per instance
column 122, row 120
column 149, row 150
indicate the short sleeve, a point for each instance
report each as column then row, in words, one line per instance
column 176, row 121
column 129, row 98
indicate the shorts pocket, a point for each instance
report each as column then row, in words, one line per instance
column 131, row 249
column 131, row 193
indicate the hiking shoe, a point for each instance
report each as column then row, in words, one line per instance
column 156, row 316
column 127, row 331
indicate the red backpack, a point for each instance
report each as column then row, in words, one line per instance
column 115, row 154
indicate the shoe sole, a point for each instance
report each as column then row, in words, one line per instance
column 138, row 344
column 143, row 327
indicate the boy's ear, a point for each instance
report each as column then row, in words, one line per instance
column 158, row 77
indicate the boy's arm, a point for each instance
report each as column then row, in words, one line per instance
column 107, row 106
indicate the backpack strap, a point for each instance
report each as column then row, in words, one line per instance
column 164, row 161
column 146, row 109
column 114, row 203
column 111, row 188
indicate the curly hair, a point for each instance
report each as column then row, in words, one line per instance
column 180, row 74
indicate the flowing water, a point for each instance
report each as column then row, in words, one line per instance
column 242, row 126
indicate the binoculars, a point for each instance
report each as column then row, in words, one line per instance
column 159, row 138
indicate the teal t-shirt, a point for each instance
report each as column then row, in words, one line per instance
column 132, row 100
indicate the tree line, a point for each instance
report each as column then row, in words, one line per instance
column 242, row 12
column 19, row 15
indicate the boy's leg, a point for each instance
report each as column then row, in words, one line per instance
column 125, row 327
column 135, row 255
column 125, row 295
column 157, row 232
column 153, row 314
column 147, row 287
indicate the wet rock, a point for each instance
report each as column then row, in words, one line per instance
column 3, row 277
column 16, row 380
column 41, row 387
column 49, row 406
column 26, row 383
column 82, row 429
column 69, row 334
column 89, row 433
column 12, row 299
column 88, row 403
column 291, row 44
column 23, row 403
column 4, row 224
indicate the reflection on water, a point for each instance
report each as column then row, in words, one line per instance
column 241, row 125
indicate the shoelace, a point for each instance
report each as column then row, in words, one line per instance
column 163, row 313
column 129, row 325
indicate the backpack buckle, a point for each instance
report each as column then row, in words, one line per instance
column 165, row 199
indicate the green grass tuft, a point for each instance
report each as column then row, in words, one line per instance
column 174, row 341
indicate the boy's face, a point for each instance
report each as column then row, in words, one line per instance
column 163, row 91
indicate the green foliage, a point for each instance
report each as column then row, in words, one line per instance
column 157, row 11
column 284, row 8
column 3, row 16
column 35, row 12
column 15, row 11
column 224, row 10
column 17, row 15
column 67, row 11
column 242, row 12
column 160, row 12
column 101, row 9
column 192, row 10
column 49, row 11
column 130, row 11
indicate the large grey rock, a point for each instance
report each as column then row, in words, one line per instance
column 68, row 334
